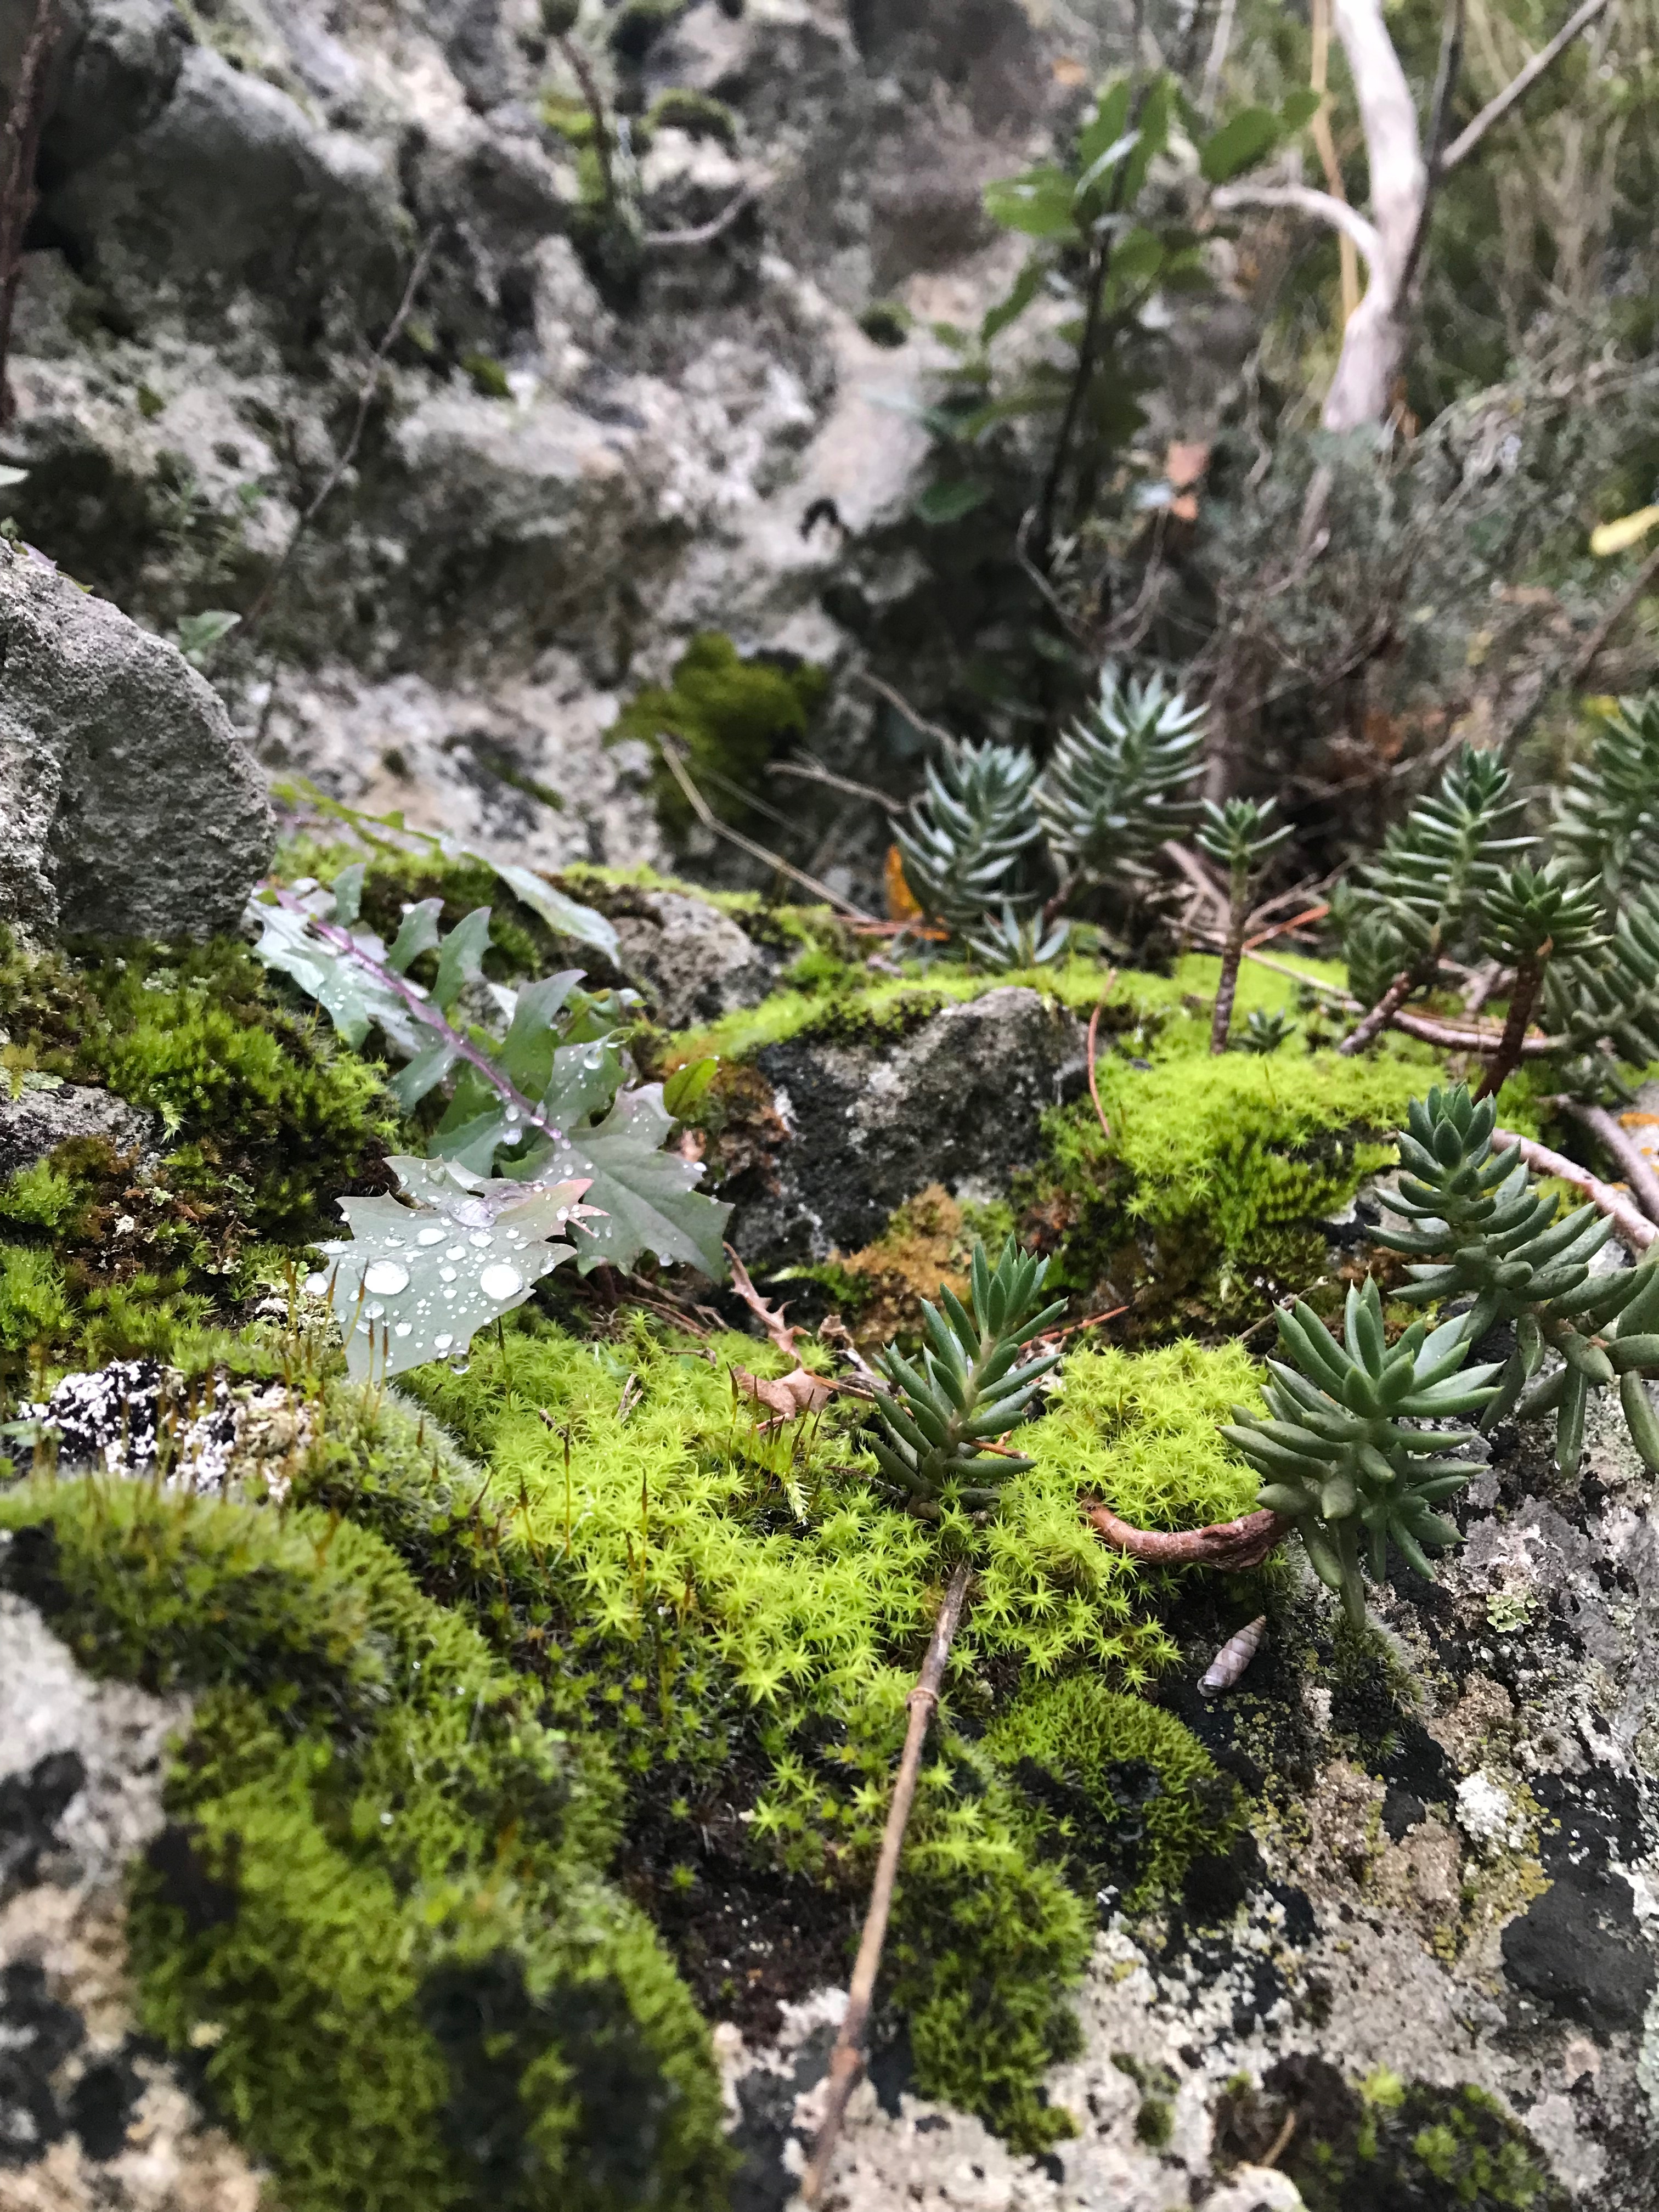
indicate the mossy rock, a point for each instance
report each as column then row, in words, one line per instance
column 376, row 1923
column 729, row 714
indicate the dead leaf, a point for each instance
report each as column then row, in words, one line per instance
column 1185, row 463
column 782, row 1333
column 788, row 1396
column 901, row 905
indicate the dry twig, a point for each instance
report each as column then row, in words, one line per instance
column 1637, row 1233
column 846, row 2060
column 1094, row 1031
column 1619, row 1145
column 711, row 821
column 1229, row 1545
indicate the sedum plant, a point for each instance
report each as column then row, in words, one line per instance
column 548, row 1102
column 1117, row 783
column 1530, row 916
column 1239, row 837
column 1014, row 940
column 962, row 840
column 1348, row 1448
column 1610, row 1007
column 1265, row 1033
column 1435, row 870
column 1606, row 822
column 970, row 1385
column 1483, row 1229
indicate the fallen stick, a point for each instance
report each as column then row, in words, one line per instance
column 1637, row 1231
column 1617, row 1142
column 847, row 2059
column 1230, row 1545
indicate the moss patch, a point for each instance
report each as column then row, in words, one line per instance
column 729, row 715
column 375, row 1923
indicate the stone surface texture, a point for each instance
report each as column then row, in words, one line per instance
column 693, row 962
column 39, row 1120
column 869, row 1123
column 90, row 2120
column 128, row 806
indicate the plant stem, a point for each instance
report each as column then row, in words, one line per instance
column 1367, row 1031
column 1238, row 914
column 423, row 1010
column 1637, row 1231
column 581, row 70
column 846, row 2060
column 1528, row 975
column 1619, row 1145
column 1232, row 1545
column 20, row 139
column 1100, row 263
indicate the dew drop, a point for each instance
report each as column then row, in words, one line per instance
column 442, row 1343
column 374, row 1310
column 431, row 1237
column 316, row 1286
column 513, row 1115
column 447, row 1273
column 460, row 1364
column 385, row 1277
column 512, row 1136
column 500, row 1281
column 402, row 1329
column 456, row 1252
column 480, row 1237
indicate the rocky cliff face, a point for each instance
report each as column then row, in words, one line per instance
column 592, row 437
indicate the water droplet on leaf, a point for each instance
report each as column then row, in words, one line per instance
column 500, row 1281
column 385, row 1277
column 442, row 1343
column 430, row 1237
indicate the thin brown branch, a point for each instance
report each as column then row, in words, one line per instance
column 711, row 821
column 1367, row 1031
column 1528, row 976
column 705, row 234
column 846, row 2060
column 347, row 452
column 1454, row 1038
column 1637, row 1230
column 1280, row 928
column 897, row 699
column 20, row 138
column 1299, row 975
column 580, row 67
column 1495, row 110
column 812, row 771
column 1231, row 1546
column 1619, row 1145
column 1624, row 605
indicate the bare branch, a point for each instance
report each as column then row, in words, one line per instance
column 1637, row 1232
column 1230, row 1545
column 846, row 2060
column 711, row 821
column 1305, row 200
column 1617, row 1142
column 705, row 234
column 1518, row 87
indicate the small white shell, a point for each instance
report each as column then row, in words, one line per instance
column 1233, row 1656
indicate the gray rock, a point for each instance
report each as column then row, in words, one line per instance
column 692, row 962
column 960, row 1102
column 40, row 1120
column 127, row 806
column 117, row 64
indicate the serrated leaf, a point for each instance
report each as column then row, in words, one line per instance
column 348, row 890
column 648, row 1198
column 460, row 957
column 418, row 1281
column 418, row 933
column 564, row 915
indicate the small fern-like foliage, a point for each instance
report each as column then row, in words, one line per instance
column 969, row 1386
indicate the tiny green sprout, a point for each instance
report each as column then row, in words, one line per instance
column 1340, row 1451
column 1265, row 1033
column 968, row 1388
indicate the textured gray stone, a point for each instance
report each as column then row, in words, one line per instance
column 959, row 1102
column 39, row 1121
column 693, row 961
column 127, row 806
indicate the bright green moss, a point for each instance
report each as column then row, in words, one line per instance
column 729, row 715
column 1117, row 1785
column 35, row 1307
column 1207, row 1198
column 377, row 1915
column 40, row 1196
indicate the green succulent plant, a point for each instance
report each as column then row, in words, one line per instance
column 1531, row 916
column 1607, row 1009
column 1116, row 786
column 1013, row 940
column 1339, row 1451
column 1264, row 1033
column 1483, row 1229
column 1239, row 838
column 962, row 839
column 970, row 1385
column 1436, row 870
column 1606, row 822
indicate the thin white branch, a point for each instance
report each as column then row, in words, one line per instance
column 1323, row 207
column 1517, row 90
